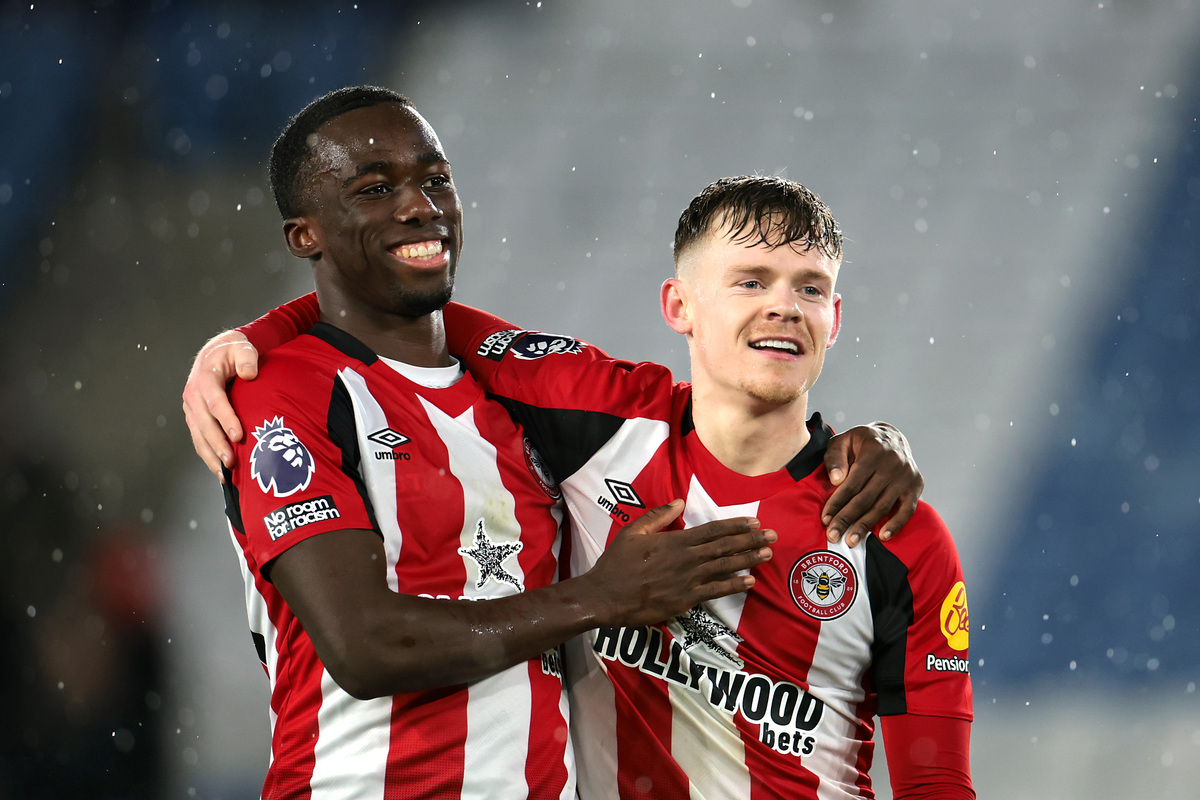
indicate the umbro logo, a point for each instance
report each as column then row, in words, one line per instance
column 390, row 439
column 620, row 494
column 624, row 493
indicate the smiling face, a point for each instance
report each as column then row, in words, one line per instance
column 758, row 318
column 381, row 218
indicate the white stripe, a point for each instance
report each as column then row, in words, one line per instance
column 622, row 458
column 594, row 717
column 353, row 738
column 260, row 621
column 379, row 476
column 497, row 743
column 721, row 771
column 843, row 649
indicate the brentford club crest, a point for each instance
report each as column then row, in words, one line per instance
column 823, row 585
column 537, row 466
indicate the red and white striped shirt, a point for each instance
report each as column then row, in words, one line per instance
column 766, row 694
column 342, row 440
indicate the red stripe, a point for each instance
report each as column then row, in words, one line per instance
column 429, row 731
column 866, row 750
column 646, row 769
column 770, row 610
column 545, row 766
column 294, row 739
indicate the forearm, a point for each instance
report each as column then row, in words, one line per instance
column 414, row 643
column 282, row 324
column 375, row 641
column 464, row 325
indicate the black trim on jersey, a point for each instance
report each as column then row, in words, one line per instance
column 892, row 615
column 260, row 646
column 233, row 503
column 687, row 424
column 813, row 454
column 566, row 438
column 804, row 462
column 233, row 511
column 343, row 432
column 336, row 337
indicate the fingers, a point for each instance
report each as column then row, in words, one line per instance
column 713, row 568
column 210, row 457
column 655, row 519
column 881, row 479
column 870, row 505
column 738, row 538
column 837, row 457
column 222, row 415
column 720, row 529
column 862, row 513
column 734, row 584
column 905, row 508
column 845, row 505
column 210, row 418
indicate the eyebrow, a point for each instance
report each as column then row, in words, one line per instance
column 808, row 274
column 431, row 157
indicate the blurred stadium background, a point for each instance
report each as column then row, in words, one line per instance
column 1020, row 186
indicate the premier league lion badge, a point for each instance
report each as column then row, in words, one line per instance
column 279, row 462
column 535, row 345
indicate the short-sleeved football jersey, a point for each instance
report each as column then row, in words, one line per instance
column 339, row 439
column 767, row 694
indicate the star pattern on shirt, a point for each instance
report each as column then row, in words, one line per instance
column 701, row 628
column 489, row 557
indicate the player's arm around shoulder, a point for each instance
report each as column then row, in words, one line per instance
column 549, row 370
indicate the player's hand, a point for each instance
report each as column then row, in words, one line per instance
column 648, row 574
column 875, row 475
column 210, row 419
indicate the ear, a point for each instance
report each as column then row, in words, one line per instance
column 837, row 320
column 675, row 306
column 302, row 237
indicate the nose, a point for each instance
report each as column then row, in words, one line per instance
column 783, row 306
column 415, row 207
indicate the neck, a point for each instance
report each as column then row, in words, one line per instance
column 749, row 437
column 420, row 341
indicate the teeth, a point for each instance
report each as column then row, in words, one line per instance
column 775, row 344
column 422, row 250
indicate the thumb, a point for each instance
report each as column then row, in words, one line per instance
column 246, row 362
column 835, row 459
column 657, row 518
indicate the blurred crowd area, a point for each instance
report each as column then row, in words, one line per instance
column 1020, row 188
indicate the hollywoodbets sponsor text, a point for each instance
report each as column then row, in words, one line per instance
column 785, row 713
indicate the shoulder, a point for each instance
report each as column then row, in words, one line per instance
column 299, row 373
column 925, row 541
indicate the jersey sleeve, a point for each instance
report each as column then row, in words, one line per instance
column 570, row 396
column 929, row 758
column 283, row 323
column 288, row 481
column 920, row 660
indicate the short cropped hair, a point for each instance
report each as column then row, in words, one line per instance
column 290, row 167
column 760, row 210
